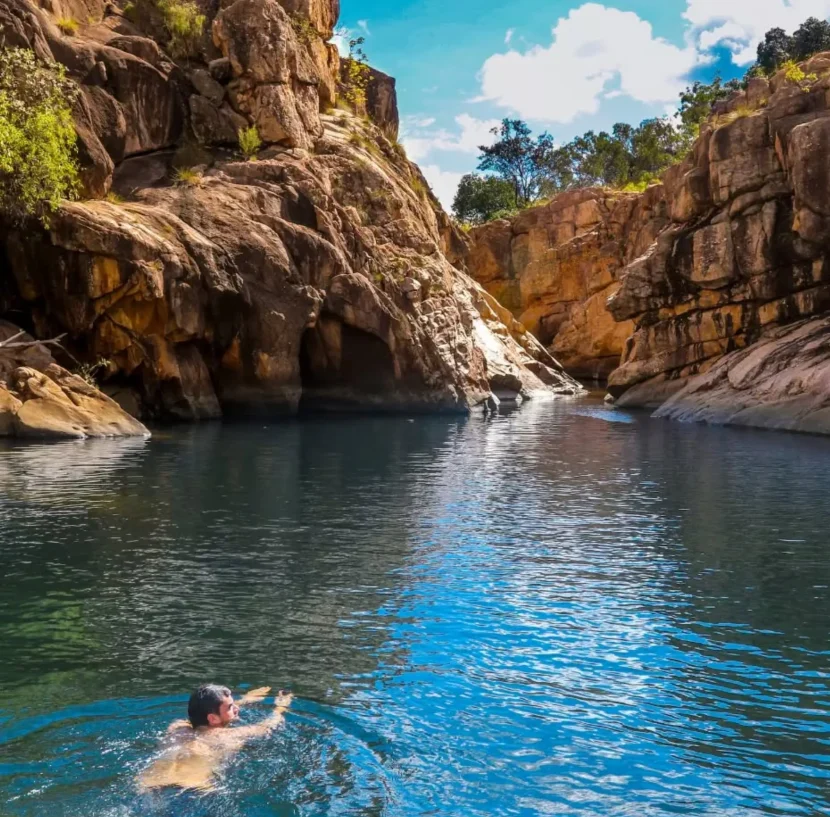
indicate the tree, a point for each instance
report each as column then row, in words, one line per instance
column 810, row 38
column 655, row 146
column 697, row 100
column 38, row 152
column 483, row 198
column 775, row 50
column 519, row 159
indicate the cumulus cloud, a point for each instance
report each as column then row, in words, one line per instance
column 420, row 142
column 593, row 47
column 740, row 25
column 444, row 183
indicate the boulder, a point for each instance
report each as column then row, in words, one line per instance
column 55, row 404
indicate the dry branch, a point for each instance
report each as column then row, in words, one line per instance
column 9, row 344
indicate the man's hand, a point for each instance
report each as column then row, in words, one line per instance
column 282, row 701
column 254, row 696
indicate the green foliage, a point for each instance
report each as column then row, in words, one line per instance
column 355, row 75
column 249, row 142
column 38, row 153
column 812, row 36
column 774, row 51
column 519, row 159
column 131, row 12
column 483, row 198
column 187, row 176
column 793, row 72
column 419, row 188
column 779, row 48
column 114, row 198
column 68, row 25
column 184, row 23
column 697, row 100
column 628, row 158
column 303, row 28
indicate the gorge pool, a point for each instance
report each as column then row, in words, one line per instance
column 557, row 610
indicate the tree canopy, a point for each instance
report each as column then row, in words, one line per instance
column 517, row 158
column 483, row 198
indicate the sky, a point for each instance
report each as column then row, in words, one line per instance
column 565, row 67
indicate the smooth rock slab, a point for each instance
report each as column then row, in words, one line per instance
column 781, row 382
column 58, row 405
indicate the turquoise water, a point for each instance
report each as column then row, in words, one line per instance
column 558, row 610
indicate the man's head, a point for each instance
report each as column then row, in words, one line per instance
column 212, row 705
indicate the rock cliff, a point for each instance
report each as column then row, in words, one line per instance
column 214, row 285
column 555, row 267
column 716, row 283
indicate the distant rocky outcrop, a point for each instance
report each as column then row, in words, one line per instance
column 316, row 273
column 555, row 267
column 719, row 278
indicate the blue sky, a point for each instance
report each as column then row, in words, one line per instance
column 563, row 66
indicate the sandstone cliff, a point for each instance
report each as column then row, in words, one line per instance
column 316, row 272
column 555, row 266
column 730, row 253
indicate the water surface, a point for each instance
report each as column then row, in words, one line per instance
column 558, row 610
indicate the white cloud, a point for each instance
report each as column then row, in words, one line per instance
column 592, row 47
column 421, row 143
column 363, row 25
column 741, row 24
column 444, row 183
column 509, row 35
column 341, row 39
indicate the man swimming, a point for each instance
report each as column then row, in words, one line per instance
column 197, row 747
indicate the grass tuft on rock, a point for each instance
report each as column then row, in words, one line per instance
column 249, row 142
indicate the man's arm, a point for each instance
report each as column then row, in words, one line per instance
column 241, row 734
column 254, row 696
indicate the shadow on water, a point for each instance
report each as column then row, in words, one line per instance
column 558, row 609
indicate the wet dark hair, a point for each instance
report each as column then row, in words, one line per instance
column 206, row 700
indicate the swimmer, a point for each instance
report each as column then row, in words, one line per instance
column 197, row 747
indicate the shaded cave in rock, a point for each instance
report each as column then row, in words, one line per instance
column 344, row 368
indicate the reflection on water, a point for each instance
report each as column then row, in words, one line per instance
column 559, row 610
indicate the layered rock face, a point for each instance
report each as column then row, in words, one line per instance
column 556, row 266
column 744, row 258
column 315, row 272
column 713, row 286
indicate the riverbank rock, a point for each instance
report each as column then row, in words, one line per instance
column 782, row 382
column 39, row 399
column 315, row 274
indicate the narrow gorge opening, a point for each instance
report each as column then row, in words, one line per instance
column 344, row 368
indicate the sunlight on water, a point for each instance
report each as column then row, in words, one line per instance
column 560, row 610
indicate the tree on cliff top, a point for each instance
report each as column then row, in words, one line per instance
column 518, row 158
column 483, row 198
column 38, row 153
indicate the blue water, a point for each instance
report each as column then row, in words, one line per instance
column 560, row 610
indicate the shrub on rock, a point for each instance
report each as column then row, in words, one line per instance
column 38, row 152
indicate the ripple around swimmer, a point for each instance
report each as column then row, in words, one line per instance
column 551, row 611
